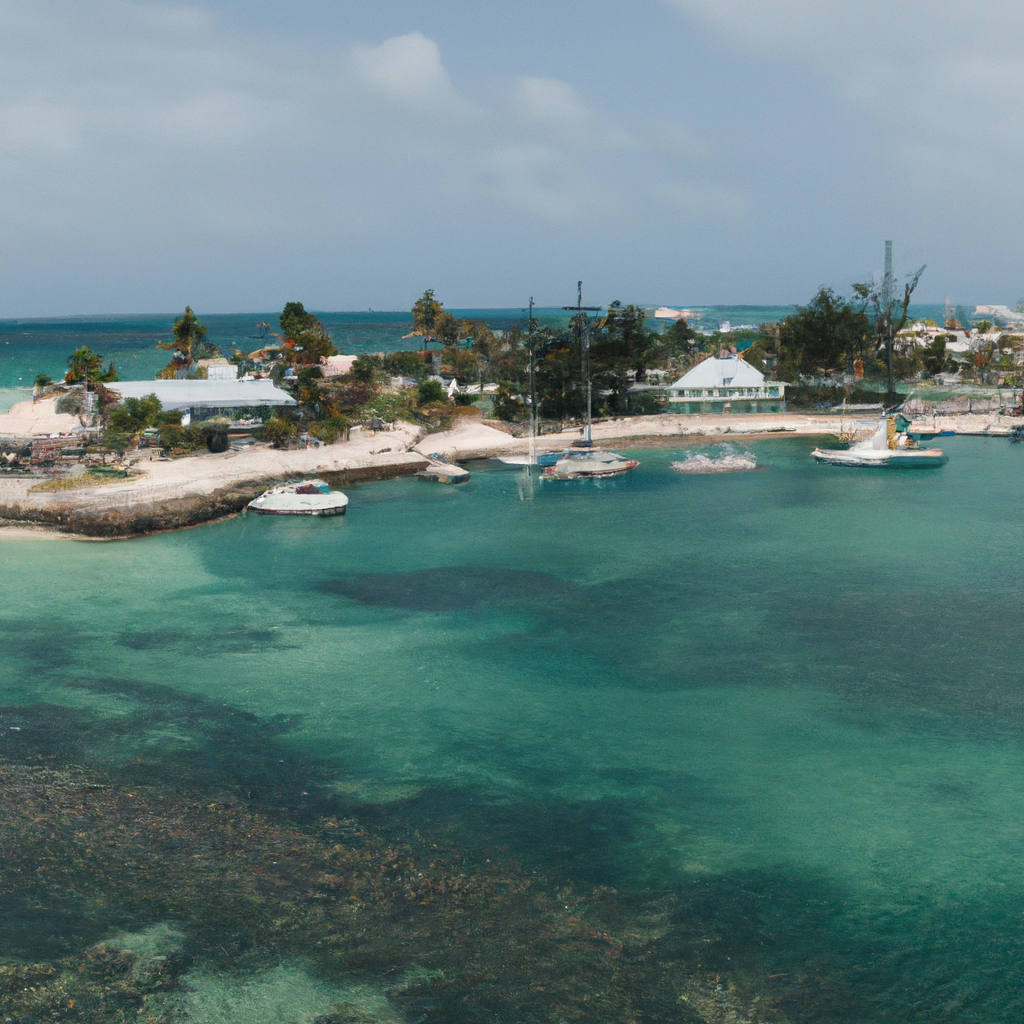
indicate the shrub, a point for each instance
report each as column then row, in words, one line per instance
column 276, row 431
column 331, row 428
column 461, row 399
column 430, row 391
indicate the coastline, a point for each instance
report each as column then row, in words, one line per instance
column 181, row 493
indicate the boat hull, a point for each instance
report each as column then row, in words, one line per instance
column 915, row 459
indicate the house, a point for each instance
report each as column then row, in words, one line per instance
column 218, row 369
column 726, row 386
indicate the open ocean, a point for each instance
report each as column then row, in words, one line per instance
column 30, row 347
column 669, row 747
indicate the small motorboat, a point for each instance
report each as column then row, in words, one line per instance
column 308, row 498
column 441, row 471
column 885, row 447
column 589, row 464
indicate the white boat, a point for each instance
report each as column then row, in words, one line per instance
column 876, row 451
column 441, row 471
column 589, row 465
column 308, row 498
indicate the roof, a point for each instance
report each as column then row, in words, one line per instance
column 206, row 394
column 721, row 373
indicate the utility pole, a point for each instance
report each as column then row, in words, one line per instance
column 583, row 340
column 887, row 317
column 533, row 387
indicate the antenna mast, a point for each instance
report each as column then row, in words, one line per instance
column 583, row 339
column 533, row 388
column 887, row 315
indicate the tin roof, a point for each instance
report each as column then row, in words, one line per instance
column 206, row 394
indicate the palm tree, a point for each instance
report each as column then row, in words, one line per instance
column 189, row 333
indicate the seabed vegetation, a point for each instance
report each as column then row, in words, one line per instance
column 136, row 888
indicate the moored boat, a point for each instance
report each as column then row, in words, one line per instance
column 886, row 447
column 441, row 471
column 308, row 498
column 589, row 464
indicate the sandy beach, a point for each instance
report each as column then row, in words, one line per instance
column 170, row 494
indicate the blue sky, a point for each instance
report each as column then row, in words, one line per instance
column 236, row 154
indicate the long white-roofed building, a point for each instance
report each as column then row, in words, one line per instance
column 726, row 386
column 202, row 398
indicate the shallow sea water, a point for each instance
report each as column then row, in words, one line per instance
column 789, row 702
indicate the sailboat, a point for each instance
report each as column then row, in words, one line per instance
column 581, row 459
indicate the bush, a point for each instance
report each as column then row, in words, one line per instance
column 461, row 399
column 173, row 435
column 331, row 428
column 42, row 380
column 404, row 364
column 507, row 404
column 276, row 431
column 71, row 403
column 430, row 391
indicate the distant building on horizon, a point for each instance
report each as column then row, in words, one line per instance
column 728, row 385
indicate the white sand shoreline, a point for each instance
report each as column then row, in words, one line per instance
column 396, row 452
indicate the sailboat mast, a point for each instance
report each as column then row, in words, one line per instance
column 583, row 338
column 533, row 388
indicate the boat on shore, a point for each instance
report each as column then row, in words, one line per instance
column 886, row 447
column 590, row 464
column 308, row 498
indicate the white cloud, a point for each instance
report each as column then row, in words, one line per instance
column 407, row 68
column 916, row 66
column 145, row 148
column 550, row 100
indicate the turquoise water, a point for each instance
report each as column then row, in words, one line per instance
column 786, row 704
column 30, row 347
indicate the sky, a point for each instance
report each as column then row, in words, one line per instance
column 237, row 154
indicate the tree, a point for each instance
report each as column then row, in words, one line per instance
column 935, row 356
column 86, row 367
column 189, row 335
column 425, row 312
column 823, row 336
column 679, row 339
column 430, row 391
column 135, row 414
column 890, row 312
column 307, row 340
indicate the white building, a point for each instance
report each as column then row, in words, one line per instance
column 201, row 398
column 727, row 386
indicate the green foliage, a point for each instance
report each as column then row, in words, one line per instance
column 277, row 431
column 135, row 414
column 509, row 404
column 87, row 366
column 42, row 380
column 175, row 436
column 825, row 335
column 425, row 312
column 388, row 406
column 680, row 339
column 461, row 399
column 983, row 326
column 403, row 364
column 936, row 359
column 310, row 340
column 331, row 428
column 118, row 441
column 365, row 368
column 189, row 337
column 430, row 391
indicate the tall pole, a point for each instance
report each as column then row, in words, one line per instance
column 583, row 339
column 533, row 389
column 887, row 316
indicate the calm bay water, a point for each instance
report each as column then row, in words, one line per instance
column 785, row 705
